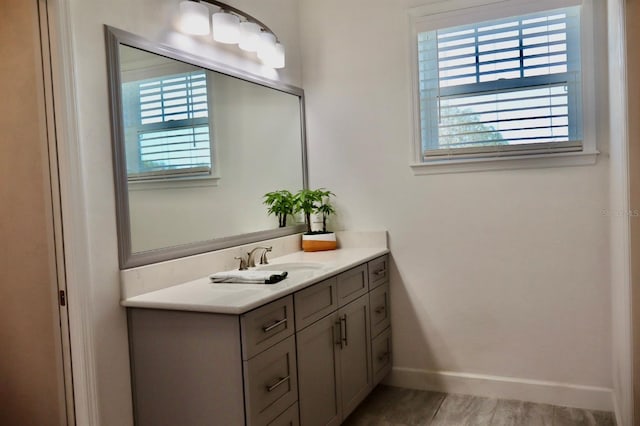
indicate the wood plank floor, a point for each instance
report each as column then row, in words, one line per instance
column 391, row 406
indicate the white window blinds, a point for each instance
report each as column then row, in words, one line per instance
column 503, row 87
column 172, row 128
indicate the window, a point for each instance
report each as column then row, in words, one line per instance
column 499, row 88
column 168, row 123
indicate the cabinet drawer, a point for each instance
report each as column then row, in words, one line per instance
column 380, row 314
column 352, row 284
column 269, row 324
column 378, row 271
column 288, row 418
column 271, row 382
column 315, row 302
column 381, row 354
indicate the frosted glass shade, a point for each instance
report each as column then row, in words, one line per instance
column 194, row 18
column 266, row 46
column 226, row 27
column 276, row 58
column 249, row 36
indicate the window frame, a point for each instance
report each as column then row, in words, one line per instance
column 453, row 13
column 171, row 179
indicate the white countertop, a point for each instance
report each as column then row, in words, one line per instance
column 201, row 295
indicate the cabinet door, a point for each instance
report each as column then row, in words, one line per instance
column 271, row 382
column 380, row 315
column 355, row 355
column 381, row 355
column 318, row 370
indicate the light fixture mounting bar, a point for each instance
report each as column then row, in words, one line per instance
column 232, row 9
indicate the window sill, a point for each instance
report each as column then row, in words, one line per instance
column 566, row 159
column 173, row 183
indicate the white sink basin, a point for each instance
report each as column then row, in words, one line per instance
column 291, row 266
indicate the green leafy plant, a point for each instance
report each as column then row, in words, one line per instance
column 281, row 203
column 325, row 208
column 309, row 201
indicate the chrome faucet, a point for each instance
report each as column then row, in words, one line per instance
column 243, row 263
column 251, row 260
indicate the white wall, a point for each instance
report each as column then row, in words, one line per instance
column 151, row 19
column 619, row 206
column 498, row 274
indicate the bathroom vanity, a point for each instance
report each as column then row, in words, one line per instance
column 306, row 350
column 303, row 351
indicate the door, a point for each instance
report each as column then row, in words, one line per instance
column 31, row 353
column 355, row 355
column 318, row 370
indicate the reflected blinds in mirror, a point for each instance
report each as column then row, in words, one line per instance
column 168, row 121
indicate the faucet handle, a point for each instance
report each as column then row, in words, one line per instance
column 263, row 258
column 243, row 263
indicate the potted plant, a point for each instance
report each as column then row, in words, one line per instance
column 325, row 209
column 316, row 201
column 281, row 204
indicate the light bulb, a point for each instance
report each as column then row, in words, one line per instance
column 226, row 27
column 194, row 18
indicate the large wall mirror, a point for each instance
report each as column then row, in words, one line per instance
column 196, row 146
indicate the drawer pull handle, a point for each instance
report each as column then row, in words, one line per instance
column 343, row 319
column 268, row 328
column 380, row 272
column 380, row 309
column 278, row 383
column 339, row 334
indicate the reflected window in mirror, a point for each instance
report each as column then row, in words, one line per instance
column 179, row 123
column 166, row 109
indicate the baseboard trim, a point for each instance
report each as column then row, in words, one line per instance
column 544, row 392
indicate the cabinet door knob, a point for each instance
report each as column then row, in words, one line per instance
column 268, row 328
column 380, row 309
column 380, row 272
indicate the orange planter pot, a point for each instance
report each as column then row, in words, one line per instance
column 319, row 242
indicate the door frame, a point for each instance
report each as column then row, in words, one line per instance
column 69, row 203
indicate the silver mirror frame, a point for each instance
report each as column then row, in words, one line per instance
column 128, row 259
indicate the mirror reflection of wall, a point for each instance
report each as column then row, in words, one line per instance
column 202, row 148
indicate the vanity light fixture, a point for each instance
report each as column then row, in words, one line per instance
column 232, row 26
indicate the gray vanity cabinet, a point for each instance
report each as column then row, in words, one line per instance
column 307, row 359
column 334, row 354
